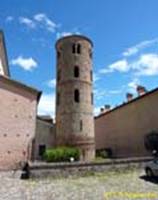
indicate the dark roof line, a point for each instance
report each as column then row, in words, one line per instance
column 127, row 103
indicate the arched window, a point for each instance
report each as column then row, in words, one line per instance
column 58, row 54
column 81, row 125
column 91, row 75
column 92, row 98
column 58, row 98
column 74, row 48
column 59, row 75
column 77, row 96
column 90, row 53
column 76, row 72
column 78, row 48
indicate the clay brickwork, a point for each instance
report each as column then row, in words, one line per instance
column 74, row 118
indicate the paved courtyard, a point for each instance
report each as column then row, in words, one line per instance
column 108, row 186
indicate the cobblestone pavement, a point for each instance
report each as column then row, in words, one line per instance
column 123, row 185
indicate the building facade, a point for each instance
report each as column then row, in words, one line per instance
column 17, row 122
column 44, row 137
column 74, row 96
column 121, row 130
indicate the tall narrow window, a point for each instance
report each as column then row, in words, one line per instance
column 76, row 72
column 90, row 53
column 91, row 75
column 92, row 98
column 81, row 125
column 58, row 98
column 78, row 48
column 59, row 75
column 74, row 48
column 58, row 54
column 77, row 96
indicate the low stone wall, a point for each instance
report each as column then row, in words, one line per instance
column 44, row 170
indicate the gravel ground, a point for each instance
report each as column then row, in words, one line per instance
column 122, row 185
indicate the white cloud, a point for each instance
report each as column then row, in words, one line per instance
column 133, row 85
column 9, row 18
column 135, row 49
column 99, row 94
column 52, row 83
column 96, row 111
column 39, row 20
column 146, row 65
column 113, row 92
column 26, row 21
column 47, row 105
column 45, row 21
column 121, row 66
column 27, row 64
column 96, row 77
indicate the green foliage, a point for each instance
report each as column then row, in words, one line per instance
column 104, row 153
column 61, row 154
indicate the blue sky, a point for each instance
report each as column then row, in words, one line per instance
column 124, row 33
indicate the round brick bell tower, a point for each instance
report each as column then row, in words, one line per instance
column 74, row 96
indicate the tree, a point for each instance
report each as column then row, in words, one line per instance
column 151, row 141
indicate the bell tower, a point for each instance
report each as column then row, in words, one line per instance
column 74, row 94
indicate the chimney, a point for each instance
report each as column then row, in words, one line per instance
column 141, row 90
column 106, row 108
column 101, row 110
column 129, row 96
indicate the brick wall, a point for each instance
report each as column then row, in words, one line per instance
column 17, row 124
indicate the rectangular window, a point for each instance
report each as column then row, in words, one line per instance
column 41, row 149
column 59, row 75
column 58, row 98
column 91, row 75
column 81, row 125
column 92, row 98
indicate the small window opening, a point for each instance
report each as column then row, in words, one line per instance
column 58, row 54
column 58, row 99
column 77, row 96
column 79, row 49
column 90, row 53
column 59, row 75
column 92, row 98
column 76, row 72
column 74, row 48
column 81, row 125
column 41, row 149
column 91, row 75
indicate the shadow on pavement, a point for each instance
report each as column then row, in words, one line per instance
column 153, row 180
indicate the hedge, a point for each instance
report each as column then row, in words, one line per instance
column 61, row 154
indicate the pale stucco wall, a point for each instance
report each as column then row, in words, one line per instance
column 45, row 135
column 123, row 129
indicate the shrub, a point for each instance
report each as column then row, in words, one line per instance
column 104, row 153
column 61, row 154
